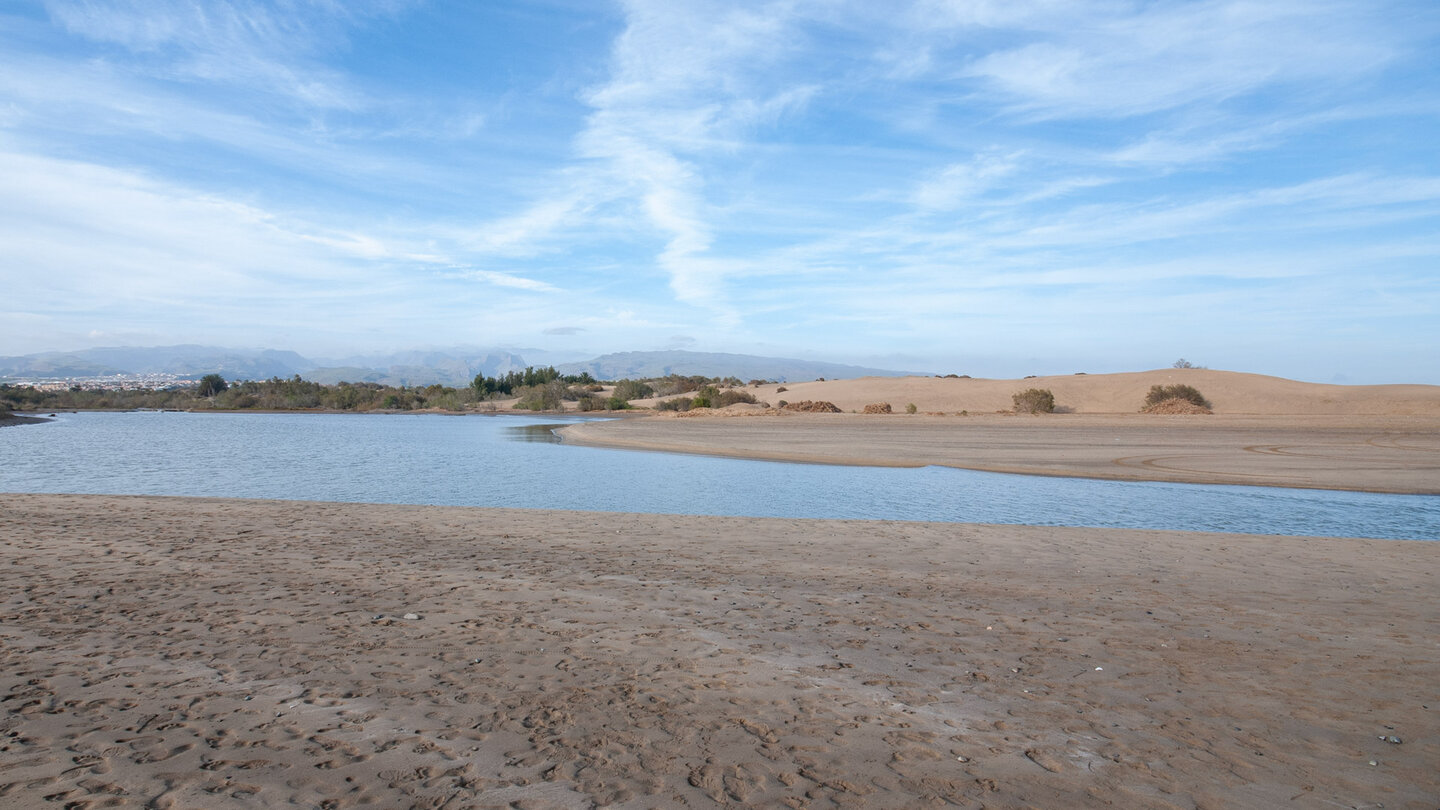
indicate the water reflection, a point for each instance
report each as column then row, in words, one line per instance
column 517, row 461
column 533, row 433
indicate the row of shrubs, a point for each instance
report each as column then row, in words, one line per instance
column 1178, row 398
column 546, row 390
column 707, row 396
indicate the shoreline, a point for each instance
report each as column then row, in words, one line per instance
column 1383, row 454
column 634, row 413
column 1387, row 454
column 16, row 420
column 213, row 652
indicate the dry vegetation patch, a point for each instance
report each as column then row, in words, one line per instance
column 1176, row 405
column 878, row 407
column 1034, row 400
column 811, row 406
column 1175, row 399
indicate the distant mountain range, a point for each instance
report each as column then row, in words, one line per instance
column 454, row 366
column 182, row 361
column 447, row 367
column 635, row 365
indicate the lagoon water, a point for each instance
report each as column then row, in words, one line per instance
column 515, row 461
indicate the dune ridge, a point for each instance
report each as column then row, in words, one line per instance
column 1230, row 392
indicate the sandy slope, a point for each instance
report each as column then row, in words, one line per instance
column 208, row 653
column 1229, row 392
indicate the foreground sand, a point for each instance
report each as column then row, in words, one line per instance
column 1399, row 454
column 212, row 653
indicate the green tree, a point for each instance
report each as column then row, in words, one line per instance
column 211, row 385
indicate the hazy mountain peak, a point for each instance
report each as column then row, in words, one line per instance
column 449, row 366
column 619, row 365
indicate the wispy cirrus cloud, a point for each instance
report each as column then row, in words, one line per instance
column 96, row 232
column 500, row 279
column 684, row 84
column 960, row 182
column 244, row 44
column 1106, row 59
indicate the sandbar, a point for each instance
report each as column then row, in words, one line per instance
column 1365, row 453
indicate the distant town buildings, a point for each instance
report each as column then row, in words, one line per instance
column 116, row 382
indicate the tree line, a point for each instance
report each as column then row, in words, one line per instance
column 534, row 389
column 275, row 394
column 531, row 377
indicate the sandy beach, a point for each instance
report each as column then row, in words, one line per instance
column 1265, row 431
column 1399, row 454
column 213, row 653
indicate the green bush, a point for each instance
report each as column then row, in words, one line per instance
column 548, row 396
column 627, row 390
column 911, row 408
column 242, row 401
column 1034, row 400
column 676, row 404
column 732, row 397
column 676, row 384
column 705, row 397
column 1160, row 393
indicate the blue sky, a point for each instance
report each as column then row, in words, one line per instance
column 996, row 188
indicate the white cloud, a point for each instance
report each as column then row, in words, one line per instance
column 101, row 245
column 682, row 85
column 236, row 42
column 959, row 182
column 1125, row 62
column 524, row 233
column 498, row 279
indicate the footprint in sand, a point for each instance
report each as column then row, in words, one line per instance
column 1047, row 760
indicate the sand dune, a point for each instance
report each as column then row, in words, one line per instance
column 175, row 653
column 1229, row 392
column 1265, row 431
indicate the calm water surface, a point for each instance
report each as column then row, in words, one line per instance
column 514, row 461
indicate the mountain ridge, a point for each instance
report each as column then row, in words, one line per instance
column 454, row 366
column 617, row 365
